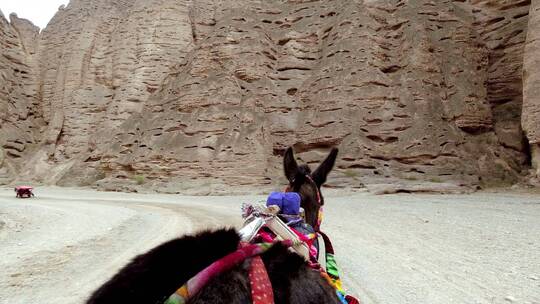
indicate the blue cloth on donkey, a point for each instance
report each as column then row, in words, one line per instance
column 289, row 205
column 288, row 202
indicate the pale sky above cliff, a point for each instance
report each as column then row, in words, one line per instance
column 40, row 12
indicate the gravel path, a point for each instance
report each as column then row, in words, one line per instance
column 479, row 248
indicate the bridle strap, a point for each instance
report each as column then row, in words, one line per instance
column 289, row 188
column 317, row 188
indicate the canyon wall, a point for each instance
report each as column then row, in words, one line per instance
column 531, row 88
column 207, row 95
column 20, row 117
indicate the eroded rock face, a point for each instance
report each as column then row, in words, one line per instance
column 208, row 94
column 19, row 103
column 531, row 90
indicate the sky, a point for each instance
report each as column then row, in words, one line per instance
column 40, row 12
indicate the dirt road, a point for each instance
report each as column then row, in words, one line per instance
column 480, row 248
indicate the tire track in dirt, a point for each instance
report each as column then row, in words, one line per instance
column 76, row 265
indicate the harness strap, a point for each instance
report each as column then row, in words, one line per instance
column 331, row 265
column 196, row 283
column 332, row 273
column 261, row 287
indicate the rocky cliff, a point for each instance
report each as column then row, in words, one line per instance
column 176, row 95
column 21, row 125
column 531, row 88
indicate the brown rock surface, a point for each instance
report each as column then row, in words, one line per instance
column 502, row 25
column 207, row 94
column 19, row 103
column 531, row 90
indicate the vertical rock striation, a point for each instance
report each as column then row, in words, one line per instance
column 20, row 117
column 99, row 63
column 502, row 27
column 531, row 90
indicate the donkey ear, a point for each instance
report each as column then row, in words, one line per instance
column 289, row 164
column 319, row 176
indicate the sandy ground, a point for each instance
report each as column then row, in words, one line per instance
column 479, row 248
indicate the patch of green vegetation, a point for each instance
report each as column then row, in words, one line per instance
column 139, row 179
column 350, row 173
column 435, row 180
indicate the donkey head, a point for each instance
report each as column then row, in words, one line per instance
column 308, row 184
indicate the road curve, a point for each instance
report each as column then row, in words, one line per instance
column 480, row 248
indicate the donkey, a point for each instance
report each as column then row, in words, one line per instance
column 153, row 276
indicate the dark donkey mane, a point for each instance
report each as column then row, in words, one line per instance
column 152, row 277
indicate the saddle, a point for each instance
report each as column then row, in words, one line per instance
column 314, row 246
column 264, row 226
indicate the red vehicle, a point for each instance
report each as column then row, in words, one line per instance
column 23, row 191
